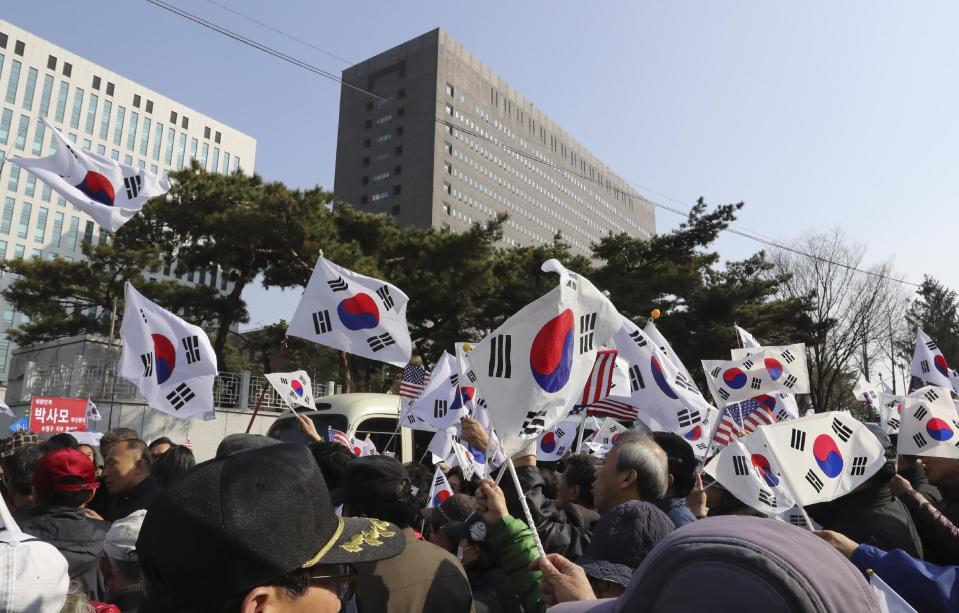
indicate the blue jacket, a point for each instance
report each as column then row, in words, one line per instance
column 925, row 586
column 677, row 511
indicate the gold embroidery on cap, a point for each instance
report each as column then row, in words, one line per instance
column 370, row 536
column 329, row 544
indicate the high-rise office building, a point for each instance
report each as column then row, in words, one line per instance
column 100, row 111
column 447, row 143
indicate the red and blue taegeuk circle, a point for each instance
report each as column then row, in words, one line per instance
column 297, row 387
column 734, row 378
column 660, row 378
column 551, row 354
column 941, row 365
column 165, row 354
column 358, row 312
column 767, row 401
column 548, row 442
column 440, row 497
column 98, row 188
column 939, row 429
column 764, row 470
column 827, row 455
column 774, row 367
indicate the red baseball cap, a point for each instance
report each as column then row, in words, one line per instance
column 65, row 470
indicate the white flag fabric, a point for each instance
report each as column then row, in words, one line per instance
column 823, row 456
column 5, row 410
column 867, row 392
column 888, row 599
column 440, row 490
column 463, row 457
column 170, row 361
column 92, row 411
column 556, row 441
column 653, row 333
column 106, row 190
column 746, row 339
column 294, row 388
column 440, row 405
column 930, row 424
column 795, row 517
column 748, row 470
column 771, row 369
column 667, row 400
column 532, row 369
column 599, row 383
column 929, row 367
column 890, row 412
column 364, row 447
column 603, row 439
column 357, row 314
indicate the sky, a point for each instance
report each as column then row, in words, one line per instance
column 817, row 115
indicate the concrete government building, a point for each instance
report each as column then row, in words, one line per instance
column 401, row 157
column 102, row 112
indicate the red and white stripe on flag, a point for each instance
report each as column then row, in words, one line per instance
column 614, row 409
column 751, row 414
column 415, row 379
column 600, row 380
column 336, row 436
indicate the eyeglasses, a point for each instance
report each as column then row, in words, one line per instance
column 341, row 579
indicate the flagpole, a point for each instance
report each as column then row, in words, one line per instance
column 522, row 502
column 582, row 430
column 274, row 363
column 106, row 362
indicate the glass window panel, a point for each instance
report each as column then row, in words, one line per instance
column 88, row 232
column 204, row 153
column 13, row 182
column 72, row 233
column 18, row 252
column 46, row 94
column 57, row 229
column 145, row 136
column 105, row 119
column 14, row 82
column 215, row 161
column 226, row 163
column 62, row 100
column 30, row 89
column 38, row 134
column 157, row 141
column 21, row 141
column 180, row 150
column 193, row 146
column 7, row 220
column 77, row 107
column 24, row 225
column 91, row 113
column 170, row 137
column 31, row 187
column 40, row 232
column 6, row 118
column 118, row 129
column 132, row 131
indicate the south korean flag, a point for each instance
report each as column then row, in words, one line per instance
column 929, row 367
column 890, row 412
column 532, row 369
column 556, row 441
column 440, row 406
column 753, row 372
column 748, row 470
column 357, row 314
column 294, row 388
column 106, row 190
column 170, row 361
column 930, row 424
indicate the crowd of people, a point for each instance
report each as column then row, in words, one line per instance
column 273, row 526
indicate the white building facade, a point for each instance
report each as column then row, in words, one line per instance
column 105, row 113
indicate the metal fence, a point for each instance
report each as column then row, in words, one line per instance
column 81, row 380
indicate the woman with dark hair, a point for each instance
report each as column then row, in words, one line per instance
column 172, row 464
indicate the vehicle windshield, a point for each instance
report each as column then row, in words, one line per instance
column 288, row 430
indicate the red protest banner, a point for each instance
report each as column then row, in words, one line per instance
column 49, row 415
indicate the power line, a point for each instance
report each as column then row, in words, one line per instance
column 516, row 151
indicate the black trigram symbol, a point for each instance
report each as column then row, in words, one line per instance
column 782, row 415
column 715, row 372
column 191, row 345
column 858, row 466
column 814, row 480
column 338, row 284
column 924, row 365
column 560, row 432
column 756, row 383
column 133, row 186
column 384, row 294
column 147, row 359
column 921, row 412
column 143, row 315
column 684, row 382
column 534, row 423
column 687, row 418
column 471, row 376
column 893, row 423
column 739, row 465
column 915, row 382
column 789, row 381
column 919, row 439
column 439, row 409
column 842, row 430
column 747, row 364
column 788, row 357
column 454, row 379
column 931, row 345
column 411, row 418
column 636, row 378
column 499, row 356
column 380, row 341
column 587, row 323
column 797, row 440
column 797, row 520
column 701, row 446
column 321, row 322
column 180, row 396
column 724, row 394
column 931, row 395
column 767, row 498
column 284, row 381
column 481, row 403
column 639, row 338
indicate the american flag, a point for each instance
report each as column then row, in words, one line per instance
column 614, row 409
column 415, row 380
column 336, row 436
column 601, row 378
column 744, row 417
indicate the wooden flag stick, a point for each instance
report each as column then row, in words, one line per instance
column 522, row 502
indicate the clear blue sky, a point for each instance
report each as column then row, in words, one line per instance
column 816, row 114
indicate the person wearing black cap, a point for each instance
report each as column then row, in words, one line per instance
column 423, row 577
column 254, row 532
column 681, row 462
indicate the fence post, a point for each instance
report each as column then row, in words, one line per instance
column 76, row 375
column 244, row 390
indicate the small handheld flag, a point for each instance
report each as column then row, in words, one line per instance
column 440, row 490
column 295, row 388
